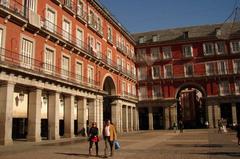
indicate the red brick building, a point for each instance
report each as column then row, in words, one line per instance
column 64, row 64
column 188, row 74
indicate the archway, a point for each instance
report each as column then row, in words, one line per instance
column 191, row 107
column 110, row 88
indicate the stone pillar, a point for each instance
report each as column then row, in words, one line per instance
column 121, row 118
column 82, row 113
column 166, row 118
column 92, row 108
column 69, row 116
column 234, row 113
column 134, row 119
column 125, row 118
column 131, row 114
column 210, row 115
column 115, row 114
column 100, row 124
column 173, row 115
column 6, row 111
column 137, row 116
column 34, row 115
column 53, row 116
column 217, row 114
column 150, row 118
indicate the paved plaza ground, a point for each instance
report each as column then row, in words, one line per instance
column 191, row 144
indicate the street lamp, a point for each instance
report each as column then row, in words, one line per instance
column 21, row 96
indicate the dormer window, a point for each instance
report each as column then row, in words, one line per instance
column 154, row 38
column 185, row 35
column 141, row 40
column 218, row 32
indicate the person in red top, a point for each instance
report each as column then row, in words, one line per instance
column 93, row 138
column 109, row 135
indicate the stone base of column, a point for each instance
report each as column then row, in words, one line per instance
column 6, row 142
column 33, row 139
column 67, row 135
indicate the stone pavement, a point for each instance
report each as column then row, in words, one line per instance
column 191, row 144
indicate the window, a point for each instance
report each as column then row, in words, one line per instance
column 5, row 2
column 123, row 87
column 98, row 50
column 110, row 35
column 141, row 55
column 222, row 67
column 99, row 25
column 220, row 48
column 235, row 46
column 65, row 66
column 237, row 86
column 155, row 72
column 236, row 66
column 168, row 71
column 155, row 54
column 66, row 29
column 123, row 64
column 91, row 18
column 80, row 8
column 26, row 53
column 128, row 69
column 209, row 69
column 154, row 38
column 31, row 5
column 90, row 75
column 208, row 49
column 79, row 39
column 119, row 63
column 79, row 69
column 167, row 53
column 185, row 35
column 51, row 20
column 141, row 40
column 1, row 41
column 224, row 88
column 49, row 65
column 133, row 89
column 109, row 56
column 142, row 93
column 156, row 91
column 129, row 88
column 91, row 42
column 68, row 3
column 142, row 73
column 187, row 51
column 188, row 69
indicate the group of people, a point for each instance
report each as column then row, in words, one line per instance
column 109, row 136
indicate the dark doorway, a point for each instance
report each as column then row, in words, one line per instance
column 61, row 127
column 143, row 119
column 44, row 128
column 226, row 112
column 107, row 111
column 19, row 129
column 158, row 118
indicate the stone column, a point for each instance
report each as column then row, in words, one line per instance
column 174, row 115
column 69, row 116
column 131, row 114
column 234, row 113
column 125, row 118
column 82, row 113
column 134, row 119
column 150, row 118
column 92, row 111
column 166, row 118
column 100, row 124
column 137, row 116
column 53, row 116
column 210, row 115
column 6, row 111
column 121, row 118
column 217, row 114
column 34, row 115
column 115, row 105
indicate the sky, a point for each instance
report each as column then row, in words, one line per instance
column 148, row 15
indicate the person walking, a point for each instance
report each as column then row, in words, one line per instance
column 238, row 133
column 93, row 138
column 181, row 126
column 219, row 126
column 109, row 135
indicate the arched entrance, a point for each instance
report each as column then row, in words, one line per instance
column 191, row 105
column 110, row 88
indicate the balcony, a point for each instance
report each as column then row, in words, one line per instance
column 129, row 95
column 32, row 66
column 95, row 26
column 69, row 6
column 81, row 15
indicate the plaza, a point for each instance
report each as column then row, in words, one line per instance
column 165, row 144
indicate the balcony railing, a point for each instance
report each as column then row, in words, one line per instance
column 129, row 95
column 15, row 7
column 12, row 59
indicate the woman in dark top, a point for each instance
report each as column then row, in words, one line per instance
column 93, row 138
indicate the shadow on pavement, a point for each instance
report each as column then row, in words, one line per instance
column 78, row 154
column 232, row 154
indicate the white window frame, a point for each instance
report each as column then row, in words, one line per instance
column 237, row 87
column 80, row 8
column 222, row 90
column 206, row 47
column 142, row 73
column 236, row 68
column 129, row 88
column 2, row 43
column 79, row 73
column 110, row 34
column 90, row 75
column 159, row 72
column 156, row 94
column 217, row 48
column 207, row 68
column 123, row 88
column 141, row 40
column 141, row 55
column 67, row 34
column 233, row 47
column 165, row 71
column 133, row 89
column 154, row 38
column 142, row 92
column 64, row 72
column 30, row 60
column 91, row 42
column 32, row 5
column 48, row 69
column 225, row 69
column 155, row 51
column 80, row 40
column 51, row 25
column 186, row 49
column 5, row 2
column 186, row 70
column 109, row 56
column 167, row 52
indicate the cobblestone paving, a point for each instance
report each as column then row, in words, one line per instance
column 191, row 144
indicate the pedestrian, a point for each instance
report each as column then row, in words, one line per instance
column 220, row 126
column 181, row 126
column 206, row 124
column 109, row 135
column 93, row 138
column 238, row 133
